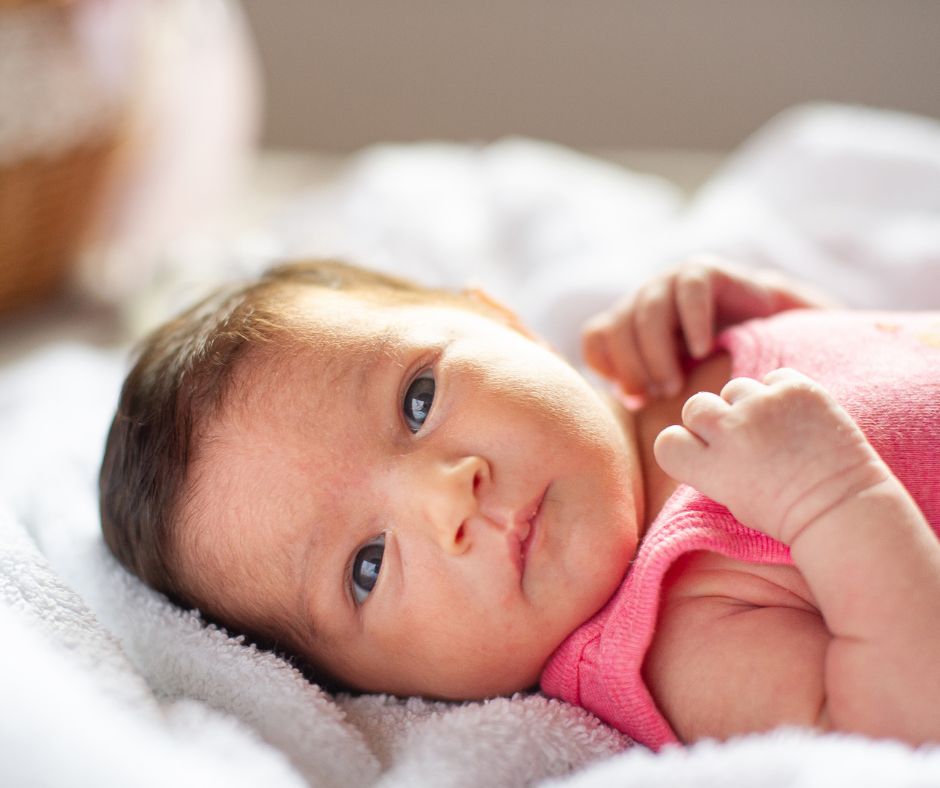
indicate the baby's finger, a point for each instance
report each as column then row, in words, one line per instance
column 702, row 412
column 679, row 453
column 737, row 389
column 654, row 326
column 695, row 305
column 625, row 358
column 787, row 375
column 594, row 345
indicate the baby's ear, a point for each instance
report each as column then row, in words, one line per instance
column 502, row 311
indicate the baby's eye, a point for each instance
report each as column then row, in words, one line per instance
column 365, row 568
column 417, row 403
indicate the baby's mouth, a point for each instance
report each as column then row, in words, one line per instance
column 528, row 529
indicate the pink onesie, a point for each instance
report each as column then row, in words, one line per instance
column 884, row 368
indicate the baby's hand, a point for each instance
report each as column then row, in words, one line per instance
column 778, row 454
column 639, row 342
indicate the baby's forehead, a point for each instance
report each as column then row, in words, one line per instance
column 332, row 322
column 326, row 326
column 317, row 353
column 348, row 327
column 332, row 339
column 281, row 376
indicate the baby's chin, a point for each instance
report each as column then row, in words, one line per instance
column 501, row 674
column 493, row 685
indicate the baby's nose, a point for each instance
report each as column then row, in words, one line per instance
column 451, row 499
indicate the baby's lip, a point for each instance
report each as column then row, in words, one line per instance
column 523, row 531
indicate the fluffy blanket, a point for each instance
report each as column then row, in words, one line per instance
column 102, row 682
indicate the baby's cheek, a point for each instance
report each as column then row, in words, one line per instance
column 589, row 575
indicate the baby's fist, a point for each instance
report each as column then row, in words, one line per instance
column 777, row 453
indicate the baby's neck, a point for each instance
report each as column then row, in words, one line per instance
column 654, row 417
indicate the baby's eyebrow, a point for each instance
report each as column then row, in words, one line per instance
column 346, row 372
column 363, row 371
column 363, row 362
column 309, row 576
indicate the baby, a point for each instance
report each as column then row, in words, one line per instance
column 276, row 441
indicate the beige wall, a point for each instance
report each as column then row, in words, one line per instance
column 589, row 73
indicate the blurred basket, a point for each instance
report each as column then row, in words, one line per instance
column 51, row 181
column 123, row 124
column 46, row 208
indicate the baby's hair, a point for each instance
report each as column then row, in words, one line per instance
column 181, row 376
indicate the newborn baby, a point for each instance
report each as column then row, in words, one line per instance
column 408, row 492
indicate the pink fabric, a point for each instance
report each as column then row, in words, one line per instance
column 884, row 368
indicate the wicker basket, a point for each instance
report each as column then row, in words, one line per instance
column 46, row 207
column 48, row 199
column 122, row 124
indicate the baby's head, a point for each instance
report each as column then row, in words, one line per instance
column 401, row 487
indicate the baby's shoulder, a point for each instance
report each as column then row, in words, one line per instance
column 738, row 647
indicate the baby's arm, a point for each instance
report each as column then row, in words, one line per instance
column 639, row 342
column 787, row 460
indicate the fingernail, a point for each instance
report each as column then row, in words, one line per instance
column 672, row 388
column 701, row 349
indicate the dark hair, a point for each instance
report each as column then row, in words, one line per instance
column 181, row 375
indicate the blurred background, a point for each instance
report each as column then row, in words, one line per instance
column 142, row 142
column 595, row 74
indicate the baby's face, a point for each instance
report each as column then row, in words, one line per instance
column 432, row 500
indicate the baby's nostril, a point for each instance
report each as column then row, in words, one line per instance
column 477, row 479
column 458, row 537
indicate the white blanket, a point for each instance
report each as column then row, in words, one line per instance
column 103, row 683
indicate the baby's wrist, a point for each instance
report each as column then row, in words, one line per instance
column 833, row 499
